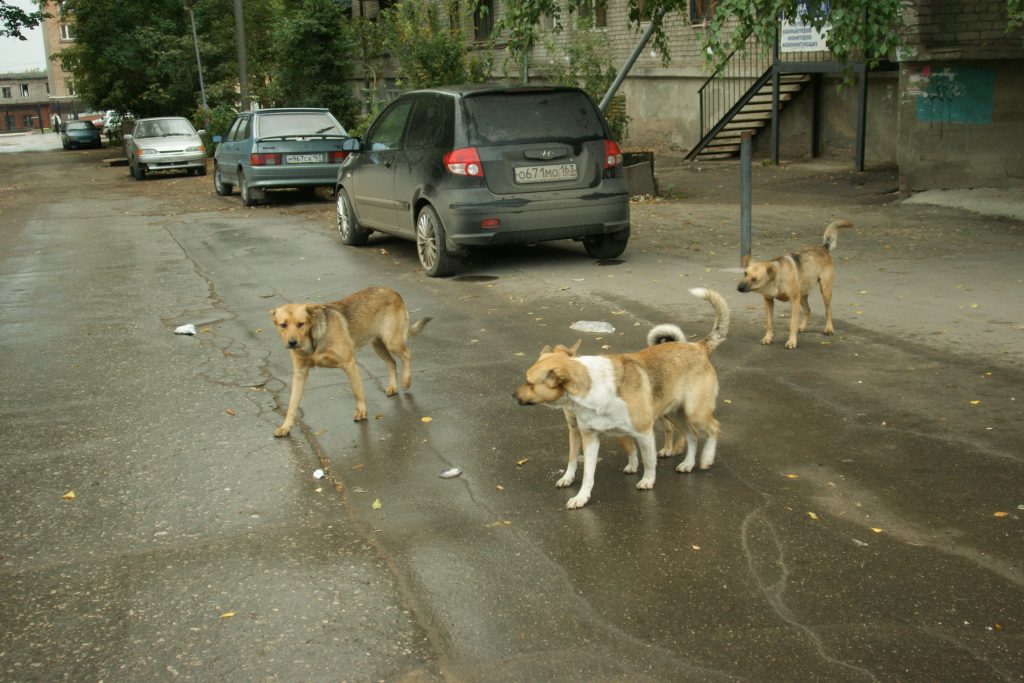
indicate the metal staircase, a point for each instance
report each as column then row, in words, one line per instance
column 738, row 97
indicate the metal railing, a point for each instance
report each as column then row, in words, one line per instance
column 731, row 81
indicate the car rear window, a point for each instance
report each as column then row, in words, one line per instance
column 535, row 116
column 298, row 124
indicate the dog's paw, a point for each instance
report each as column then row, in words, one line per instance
column 577, row 502
column 666, row 453
column 685, row 466
column 282, row 431
column 791, row 343
column 359, row 416
column 391, row 390
column 829, row 330
column 645, row 484
column 566, row 480
column 767, row 339
column 631, row 468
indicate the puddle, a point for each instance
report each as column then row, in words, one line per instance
column 475, row 278
column 610, row 262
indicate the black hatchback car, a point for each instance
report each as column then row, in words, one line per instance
column 460, row 167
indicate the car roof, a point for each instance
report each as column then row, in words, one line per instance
column 162, row 118
column 289, row 110
column 469, row 90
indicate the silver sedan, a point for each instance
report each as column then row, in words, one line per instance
column 162, row 144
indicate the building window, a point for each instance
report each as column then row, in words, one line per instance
column 5, row 92
column 27, row 120
column 594, row 13
column 67, row 32
column 483, row 19
column 701, row 10
column 24, row 89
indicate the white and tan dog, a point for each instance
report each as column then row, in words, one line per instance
column 328, row 336
column 626, row 394
column 790, row 278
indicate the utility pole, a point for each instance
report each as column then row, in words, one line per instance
column 243, row 69
column 195, row 41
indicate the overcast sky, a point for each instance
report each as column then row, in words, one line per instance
column 23, row 55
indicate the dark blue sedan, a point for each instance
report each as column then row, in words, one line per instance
column 80, row 134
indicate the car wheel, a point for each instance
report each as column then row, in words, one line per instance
column 219, row 186
column 607, row 246
column 138, row 172
column 430, row 244
column 348, row 226
column 248, row 194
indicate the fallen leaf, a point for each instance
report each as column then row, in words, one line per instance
column 1000, row 514
column 426, row 419
column 359, row 466
column 227, row 615
column 384, row 252
column 792, row 476
column 695, row 547
column 376, row 504
column 500, row 487
column 727, row 401
column 378, row 417
column 974, row 305
column 518, row 353
column 812, row 516
column 975, row 403
column 229, row 411
column 207, row 330
column 876, row 529
column 70, row 495
column 520, row 463
column 259, row 330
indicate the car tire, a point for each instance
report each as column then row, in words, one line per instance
column 348, row 225
column 137, row 172
column 607, row 246
column 248, row 195
column 430, row 244
column 219, row 186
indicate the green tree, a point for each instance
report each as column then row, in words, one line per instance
column 318, row 77
column 429, row 43
column 14, row 20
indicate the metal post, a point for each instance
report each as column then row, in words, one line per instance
column 745, row 192
column 243, row 68
column 641, row 44
column 862, row 108
column 199, row 64
column 775, row 98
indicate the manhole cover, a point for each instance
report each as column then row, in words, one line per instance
column 475, row 278
column 610, row 262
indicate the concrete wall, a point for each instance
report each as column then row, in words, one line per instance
column 960, row 124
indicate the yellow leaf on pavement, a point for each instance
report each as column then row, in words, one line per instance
column 70, row 495
column 426, row 419
column 1000, row 514
column 376, row 504
column 520, row 463
column 227, row 615
column 812, row 515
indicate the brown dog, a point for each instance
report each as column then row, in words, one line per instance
column 790, row 278
column 328, row 336
column 626, row 394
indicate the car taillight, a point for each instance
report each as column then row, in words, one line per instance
column 265, row 159
column 612, row 154
column 465, row 161
column 336, row 157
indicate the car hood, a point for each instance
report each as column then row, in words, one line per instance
column 171, row 143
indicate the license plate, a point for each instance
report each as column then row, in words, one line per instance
column 548, row 173
column 304, row 158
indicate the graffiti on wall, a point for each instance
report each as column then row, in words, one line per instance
column 952, row 95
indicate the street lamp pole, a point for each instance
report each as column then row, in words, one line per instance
column 195, row 42
column 243, row 69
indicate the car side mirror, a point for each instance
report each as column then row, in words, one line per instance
column 127, row 137
column 201, row 132
column 218, row 139
column 352, row 145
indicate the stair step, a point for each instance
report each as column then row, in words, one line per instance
column 702, row 155
column 714, row 149
column 767, row 99
column 794, row 78
column 745, row 125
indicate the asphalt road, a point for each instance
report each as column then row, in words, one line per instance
column 863, row 520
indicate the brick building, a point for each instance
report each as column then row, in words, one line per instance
column 58, row 33
column 947, row 109
column 24, row 101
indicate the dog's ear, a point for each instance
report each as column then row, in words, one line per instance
column 575, row 347
column 546, row 349
column 555, row 378
column 273, row 314
column 773, row 268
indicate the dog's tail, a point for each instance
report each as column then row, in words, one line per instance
column 831, row 237
column 418, row 326
column 721, row 327
column 666, row 332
